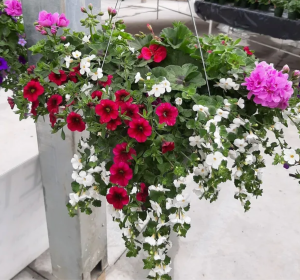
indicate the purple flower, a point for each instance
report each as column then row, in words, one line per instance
column 22, row 59
column 286, row 166
column 62, row 21
column 1, row 79
column 298, row 95
column 3, row 64
column 22, row 42
column 47, row 19
column 271, row 88
column 13, row 8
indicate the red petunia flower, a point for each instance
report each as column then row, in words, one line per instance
column 247, row 50
column 114, row 123
column 107, row 110
column 108, row 82
column 120, row 153
column 121, row 95
column 32, row 90
column 131, row 111
column 72, row 76
column 53, row 103
column 75, row 122
column 143, row 193
column 118, row 197
column 159, row 53
column 34, row 106
column 139, row 129
column 168, row 147
column 97, row 93
column 120, row 173
column 52, row 118
column 167, row 113
column 11, row 102
column 58, row 79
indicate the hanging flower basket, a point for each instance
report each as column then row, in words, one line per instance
column 160, row 108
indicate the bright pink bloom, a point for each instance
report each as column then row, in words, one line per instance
column 58, row 79
column 121, row 95
column 47, row 19
column 168, row 147
column 167, row 113
column 107, row 110
column 114, row 123
column 34, row 106
column 97, row 94
column 209, row 51
column 33, row 90
column 271, row 88
column 159, row 53
column 52, row 119
column 143, row 193
column 75, row 122
column 108, row 82
column 11, row 102
column 53, row 103
column 139, row 129
column 131, row 111
column 118, row 197
column 13, row 8
column 62, row 21
column 120, row 153
column 247, row 50
column 120, row 173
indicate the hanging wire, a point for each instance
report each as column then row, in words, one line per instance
column 114, row 26
column 199, row 45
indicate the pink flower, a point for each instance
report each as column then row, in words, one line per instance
column 13, row 8
column 118, row 197
column 62, row 21
column 139, row 129
column 47, row 19
column 270, row 88
column 120, row 173
column 121, row 154
column 167, row 113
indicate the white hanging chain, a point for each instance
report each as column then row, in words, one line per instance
column 199, row 45
column 114, row 26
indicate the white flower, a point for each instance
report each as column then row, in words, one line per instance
column 200, row 108
column 127, row 232
column 169, row 203
column 137, row 77
column 131, row 49
column 222, row 114
column 166, row 85
column 199, row 190
column 84, row 145
column 85, row 67
column 286, row 113
column 115, row 213
column 89, row 58
column 241, row 144
column 278, row 125
column 196, row 141
column 181, row 200
column 97, row 75
column 86, row 39
column 119, row 37
column 233, row 154
column 214, row 160
column 97, row 169
column 74, row 199
column 201, row 170
column 86, row 88
column 68, row 97
column 157, row 90
column 178, row 101
column 241, row 103
column 148, row 78
column 213, row 121
column 232, row 128
column 68, row 61
column 238, row 122
column 179, row 218
column 238, row 174
column 177, row 183
column 235, row 76
column 227, row 105
column 225, row 84
column 159, row 255
column 236, row 86
column 259, row 173
column 76, row 162
column 134, row 190
column 150, row 240
column 161, row 240
column 251, row 138
column 93, row 159
column 74, row 175
column 76, row 54
column 155, row 206
column 91, row 192
column 255, row 147
column 290, row 156
column 158, row 188
column 67, row 45
column 85, row 179
column 250, row 159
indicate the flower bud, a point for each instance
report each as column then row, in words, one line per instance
column 83, row 9
column 63, row 38
column 149, row 27
column 82, row 21
column 35, row 23
column 44, row 32
column 53, row 30
column 39, row 28
column 100, row 14
column 223, row 42
column 286, row 69
column 90, row 6
column 296, row 74
column 121, row 21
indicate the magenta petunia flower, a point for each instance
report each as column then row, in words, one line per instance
column 13, row 8
column 62, row 21
column 270, row 88
column 47, row 19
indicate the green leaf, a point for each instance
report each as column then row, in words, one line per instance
column 63, row 135
column 75, row 187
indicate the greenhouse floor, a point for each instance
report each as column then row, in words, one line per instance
column 224, row 243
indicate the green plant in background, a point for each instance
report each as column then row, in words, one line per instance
column 13, row 52
column 293, row 7
column 280, row 3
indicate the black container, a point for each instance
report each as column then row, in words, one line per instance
column 264, row 8
column 278, row 12
column 254, row 6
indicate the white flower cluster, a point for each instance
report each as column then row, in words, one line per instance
column 227, row 84
column 161, row 88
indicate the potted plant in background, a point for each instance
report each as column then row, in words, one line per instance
column 244, row 3
column 293, row 7
column 264, row 5
column 253, row 4
column 237, row 3
column 279, row 7
column 222, row 2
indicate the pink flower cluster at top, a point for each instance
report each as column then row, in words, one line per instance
column 271, row 88
column 52, row 21
column 13, row 8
